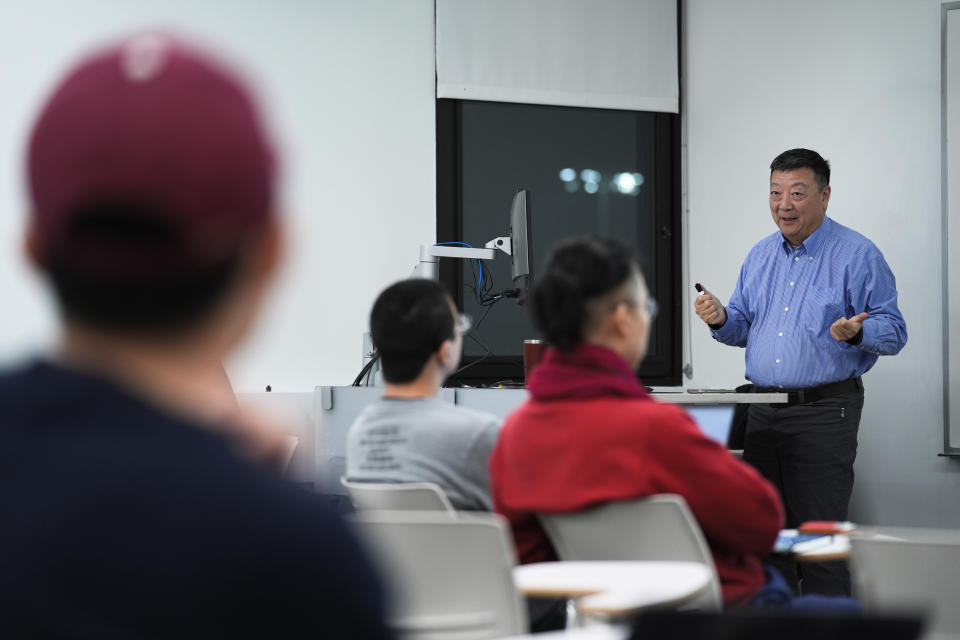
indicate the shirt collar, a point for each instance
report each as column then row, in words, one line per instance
column 813, row 243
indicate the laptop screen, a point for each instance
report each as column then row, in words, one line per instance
column 713, row 419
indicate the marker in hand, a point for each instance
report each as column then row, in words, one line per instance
column 847, row 328
column 708, row 307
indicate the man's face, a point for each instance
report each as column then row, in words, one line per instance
column 797, row 203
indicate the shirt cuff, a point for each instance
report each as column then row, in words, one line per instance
column 857, row 339
column 868, row 339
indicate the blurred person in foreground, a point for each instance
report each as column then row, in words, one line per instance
column 411, row 435
column 137, row 500
column 590, row 433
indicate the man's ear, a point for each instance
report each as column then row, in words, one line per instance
column 620, row 320
column 33, row 248
column 274, row 248
column 265, row 259
column 445, row 353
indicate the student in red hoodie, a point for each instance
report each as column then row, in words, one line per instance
column 590, row 433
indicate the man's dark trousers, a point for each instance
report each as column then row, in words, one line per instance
column 807, row 451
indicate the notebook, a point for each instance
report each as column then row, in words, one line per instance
column 789, row 541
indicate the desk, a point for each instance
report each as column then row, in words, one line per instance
column 682, row 397
column 840, row 547
column 593, row 632
column 336, row 407
column 614, row 589
column 837, row 549
column 500, row 402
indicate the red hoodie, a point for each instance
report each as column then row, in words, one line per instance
column 590, row 434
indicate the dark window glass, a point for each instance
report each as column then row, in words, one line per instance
column 589, row 171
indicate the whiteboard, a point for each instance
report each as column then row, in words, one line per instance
column 951, row 223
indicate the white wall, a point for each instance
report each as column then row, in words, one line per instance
column 858, row 81
column 350, row 90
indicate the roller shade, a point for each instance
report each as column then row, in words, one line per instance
column 617, row 54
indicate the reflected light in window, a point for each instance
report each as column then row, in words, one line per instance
column 628, row 183
column 589, row 175
column 591, row 187
column 568, row 174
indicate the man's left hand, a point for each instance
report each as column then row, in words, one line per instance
column 846, row 328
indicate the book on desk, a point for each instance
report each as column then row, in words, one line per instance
column 791, row 542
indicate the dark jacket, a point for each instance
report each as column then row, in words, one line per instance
column 122, row 521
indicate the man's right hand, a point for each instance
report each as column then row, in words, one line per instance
column 709, row 309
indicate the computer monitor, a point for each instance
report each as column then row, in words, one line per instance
column 521, row 244
column 497, row 341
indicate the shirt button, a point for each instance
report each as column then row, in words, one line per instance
column 797, row 259
column 786, row 308
column 780, row 334
column 780, row 386
column 811, row 258
column 778, row 360
column 791, row 284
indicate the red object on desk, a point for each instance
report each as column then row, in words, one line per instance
column 826, row 526
column 533, row 351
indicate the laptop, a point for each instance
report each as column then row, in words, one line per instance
column 713, row 419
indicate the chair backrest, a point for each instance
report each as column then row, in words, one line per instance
column 447, row 577
column 659, row 527
column 396, row 496
column 918, row 573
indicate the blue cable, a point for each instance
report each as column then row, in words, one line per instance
column 479, row 266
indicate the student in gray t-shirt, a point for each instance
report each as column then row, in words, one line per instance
column 410, row 435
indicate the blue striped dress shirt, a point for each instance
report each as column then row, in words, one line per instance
column 786, row 299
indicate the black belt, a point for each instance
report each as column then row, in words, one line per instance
column 812, row 394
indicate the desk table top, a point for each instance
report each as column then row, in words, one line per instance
column 614, row 588
column 684, row 397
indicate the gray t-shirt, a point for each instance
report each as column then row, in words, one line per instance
column 425, row 440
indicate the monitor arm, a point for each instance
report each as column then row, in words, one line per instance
column 504, row 243
column 430, row 255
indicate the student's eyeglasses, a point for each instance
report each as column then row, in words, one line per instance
column 464, row 323
column 651, row 307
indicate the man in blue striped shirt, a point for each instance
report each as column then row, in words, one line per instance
column 815, row 306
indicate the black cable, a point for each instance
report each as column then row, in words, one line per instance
column 477, row 279
column 483, row 280
column 475, row 336
column 487, row 285
column 366, row 368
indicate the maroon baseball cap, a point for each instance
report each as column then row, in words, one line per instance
column 150, row 125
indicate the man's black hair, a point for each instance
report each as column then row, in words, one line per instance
column 803, row 159
column 153, row 301
column 576, row 271
column 410, row 320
